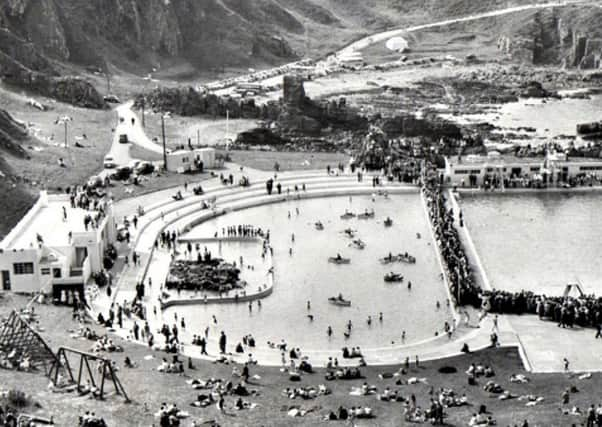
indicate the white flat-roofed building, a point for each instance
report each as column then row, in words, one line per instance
column 192, row 160
column 55, row 246
column 476, row 170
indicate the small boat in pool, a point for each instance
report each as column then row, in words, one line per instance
column 388, row 222
column 348, row 215
column 319, row 226
column 407, row 258
column 366, row 215
column 339, row 260
column 358, row 244
column 388, row 259
column 339, row 300
column 393, row 277
column 349, row 232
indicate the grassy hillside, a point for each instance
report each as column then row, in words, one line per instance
column 29, row 162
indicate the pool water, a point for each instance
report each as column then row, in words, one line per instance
column 306, row 275
column 537, row 241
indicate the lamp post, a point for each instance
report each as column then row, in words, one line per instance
column 64, row 120
column 163, row 137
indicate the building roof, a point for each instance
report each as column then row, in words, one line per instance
column 509, row 159
column 48, row 222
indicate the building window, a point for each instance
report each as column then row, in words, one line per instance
column 590, row 168
column 467, row 171
column 23, row 267
column 45, row 271
column 56, row 273
column 534, row 168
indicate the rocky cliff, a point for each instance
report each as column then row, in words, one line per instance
column 139, row 35
column 42, row 39
column 143, row 32
column 557, row 36
column 23, row 65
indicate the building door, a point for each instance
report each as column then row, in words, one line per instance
column 81, row 254
column 5, row 280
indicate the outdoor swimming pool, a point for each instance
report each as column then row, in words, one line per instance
column 537, row 241
column 308, row 276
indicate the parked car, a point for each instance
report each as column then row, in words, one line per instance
column 112, row 99
column 123, row 138
column 122, row 173
column 109, row 162
column 144, row 168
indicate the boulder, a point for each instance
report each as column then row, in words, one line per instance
column 535, row 89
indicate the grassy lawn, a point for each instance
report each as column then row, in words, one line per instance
column 288, row 161
column 148, row 388
column 207, row 131
column 153, row 182
column 43, row 170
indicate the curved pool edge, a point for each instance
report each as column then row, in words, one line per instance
column 380, row 356
column 217, row 300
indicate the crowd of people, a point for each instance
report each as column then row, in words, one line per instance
column 461, row 282
column 583, row 311
column 244, row 230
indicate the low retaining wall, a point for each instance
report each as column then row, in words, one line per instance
column 217, row 300
column 444, row 272
column 226, row 239
column 517, row 191
column 471, row 250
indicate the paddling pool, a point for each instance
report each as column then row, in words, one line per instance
column 306, row 275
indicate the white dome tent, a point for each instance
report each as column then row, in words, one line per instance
column 397, row 44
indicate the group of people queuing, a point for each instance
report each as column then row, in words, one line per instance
column 244, row 230
column 461, row 282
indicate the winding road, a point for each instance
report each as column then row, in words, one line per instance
column 385, row 35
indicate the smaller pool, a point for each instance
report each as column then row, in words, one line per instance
column 537, row 241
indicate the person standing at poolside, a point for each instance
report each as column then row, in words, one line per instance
column 222, row 343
